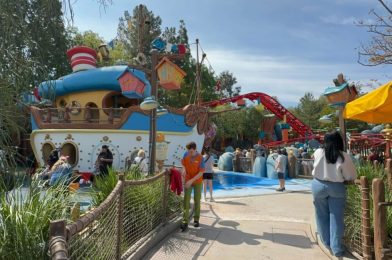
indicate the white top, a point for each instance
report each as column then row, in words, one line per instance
column 209, row 164
column 338, row 172
column 280, row 164
column 142, row 164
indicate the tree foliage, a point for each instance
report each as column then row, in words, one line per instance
column 136, row 32
column 87, row 38
column 33, row 41
column 187, row 93
column 309, row 110
column 227, row 82
column 379, row 50
column 239, row 125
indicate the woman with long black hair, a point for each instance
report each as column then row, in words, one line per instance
column 332, row 167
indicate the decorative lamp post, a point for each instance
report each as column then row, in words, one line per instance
column 148, row 104
column 161, row 111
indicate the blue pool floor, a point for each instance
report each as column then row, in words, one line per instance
column 231, row 184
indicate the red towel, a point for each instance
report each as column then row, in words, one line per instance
column 175, row 181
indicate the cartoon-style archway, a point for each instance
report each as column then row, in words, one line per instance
column 71, row 150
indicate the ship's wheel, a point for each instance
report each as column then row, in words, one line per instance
column 196, row 115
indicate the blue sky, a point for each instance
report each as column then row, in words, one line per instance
column 283, row 48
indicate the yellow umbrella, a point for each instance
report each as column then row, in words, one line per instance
column 374, row 107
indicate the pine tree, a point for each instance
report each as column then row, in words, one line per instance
column 136, row 32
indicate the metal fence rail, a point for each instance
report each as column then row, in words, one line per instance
column 116, row 227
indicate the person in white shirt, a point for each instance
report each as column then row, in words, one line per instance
column 332, row 167
column 280, row 168
column 208, row 174
column 141, row 162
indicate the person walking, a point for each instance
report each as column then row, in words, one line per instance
column 194, row 168
column 332, row 167
column 208, row 174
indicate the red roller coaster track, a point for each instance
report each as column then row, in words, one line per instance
column 272, row 105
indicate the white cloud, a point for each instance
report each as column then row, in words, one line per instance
column 333, row 19
column 288, row 78
column 351, row 20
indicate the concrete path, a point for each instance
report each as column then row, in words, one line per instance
column 261, row 227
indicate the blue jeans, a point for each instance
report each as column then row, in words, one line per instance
column 329, row 199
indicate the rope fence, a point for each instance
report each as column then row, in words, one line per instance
column 117, row 227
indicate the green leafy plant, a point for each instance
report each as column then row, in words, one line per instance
column 353, row 205
column 134, row 173
column 103, row 187
column 25, row 215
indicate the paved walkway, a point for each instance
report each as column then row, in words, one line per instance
column 262, row 227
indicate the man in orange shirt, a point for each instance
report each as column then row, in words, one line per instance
column 194, row 167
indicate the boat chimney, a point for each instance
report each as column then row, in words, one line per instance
column 82, row 58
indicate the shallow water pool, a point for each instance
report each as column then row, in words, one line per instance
column 232, row 184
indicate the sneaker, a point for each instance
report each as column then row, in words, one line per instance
column 212, row 200
column 279, row 189
column 196, row 224
column 184, row 227
column 284, row 188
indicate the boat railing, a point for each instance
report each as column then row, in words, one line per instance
column 85, row 115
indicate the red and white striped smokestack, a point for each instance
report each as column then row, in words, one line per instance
column 82, row 58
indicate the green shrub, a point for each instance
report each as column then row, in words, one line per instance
column 103, row 187
column 134, row 173
column 353, row 208
column 25, row 215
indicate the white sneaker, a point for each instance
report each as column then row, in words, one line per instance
column 212, row 200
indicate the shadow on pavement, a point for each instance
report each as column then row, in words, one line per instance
column 230, row 202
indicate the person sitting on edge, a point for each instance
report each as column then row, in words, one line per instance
column 60, row 171
column 52, row 159
column 194, row 168
column 104, row 161
column 141, row 162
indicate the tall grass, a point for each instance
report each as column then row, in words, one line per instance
column 353, row 208
column 25, row 215
column 103, row 187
